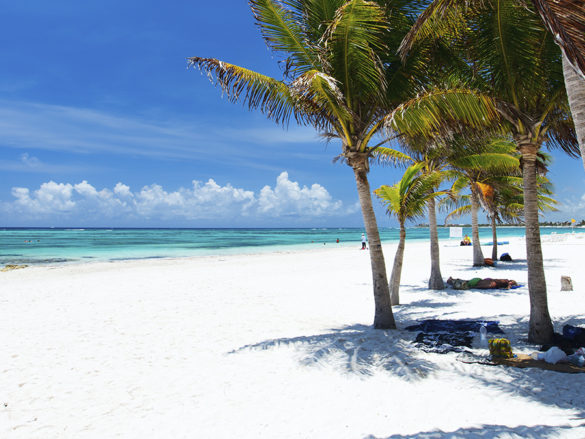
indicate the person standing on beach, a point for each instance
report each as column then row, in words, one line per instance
column 363, row 241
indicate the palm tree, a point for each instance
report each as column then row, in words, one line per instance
column 503, row 200
column 516, row 61
column 433, row 158
column 343, row 78
column 473, row 162
column 407, row 200
column 566, row 21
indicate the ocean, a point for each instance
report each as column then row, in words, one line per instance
column 60, row 245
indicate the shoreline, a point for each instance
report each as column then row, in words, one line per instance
column 65, row 259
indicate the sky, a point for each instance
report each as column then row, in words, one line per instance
column 103, row 125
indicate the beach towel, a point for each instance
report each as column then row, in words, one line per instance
column 443, row 343
column 521, row 361
column 452, row 326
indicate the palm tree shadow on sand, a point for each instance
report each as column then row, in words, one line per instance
column 487, row 431
column 357, row 349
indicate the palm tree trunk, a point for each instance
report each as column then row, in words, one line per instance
column 436, row 280
column 397, row 268
column 478, row 258
column 494, row 239
column 575, row 86
column 540, row 326
column 383, row 317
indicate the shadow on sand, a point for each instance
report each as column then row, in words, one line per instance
column 358, row 349
column 488, row 431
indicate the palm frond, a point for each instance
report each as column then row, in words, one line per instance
column 442, row 111
column 258, row 91
column 321, row 92
column 351, row 42
column 284, row 33
column 389, row 156
column 459, row 212
column 441, row 17
column 408, row 198
column 316, row 15
column 566, row 21
column 487, row 162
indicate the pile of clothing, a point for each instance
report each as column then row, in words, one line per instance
column 568, row 347
column 443, row 336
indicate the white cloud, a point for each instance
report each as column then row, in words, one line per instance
column 288, row 198
column 202, row 201
column 32, row 162
column 51, row 197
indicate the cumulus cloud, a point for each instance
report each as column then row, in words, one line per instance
column 289, row 198
column 201, row 201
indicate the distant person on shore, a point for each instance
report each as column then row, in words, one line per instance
column 363, row 241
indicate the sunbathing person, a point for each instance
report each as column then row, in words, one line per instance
column 484, row 284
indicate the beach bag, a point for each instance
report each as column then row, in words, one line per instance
column 489, row 262
column 506, row 257
column 574, row 334
column 500, row 348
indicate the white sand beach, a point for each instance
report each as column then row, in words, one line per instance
column 275, row 345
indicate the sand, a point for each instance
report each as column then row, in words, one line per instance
column 275, row 345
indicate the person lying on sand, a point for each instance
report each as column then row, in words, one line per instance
column 484, row 284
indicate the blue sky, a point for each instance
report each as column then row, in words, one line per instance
column 102, row 124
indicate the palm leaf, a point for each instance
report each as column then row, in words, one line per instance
column 487, row 162
column 457, row 213
column 566, row 21
column 275, row 99
column 390, row 156
column 442, row 111
column 316, row 15
column 321, row 92
column 283, row 33
column 351, row 41
column 441, row 17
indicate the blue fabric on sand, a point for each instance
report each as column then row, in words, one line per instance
column 433, row 325
column 572, row 333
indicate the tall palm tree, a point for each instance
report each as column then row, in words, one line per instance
column 407, row 200
column 517, row 62
column 342, row 77
column 566, row 21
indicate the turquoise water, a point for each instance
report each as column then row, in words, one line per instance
column 50, row 246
